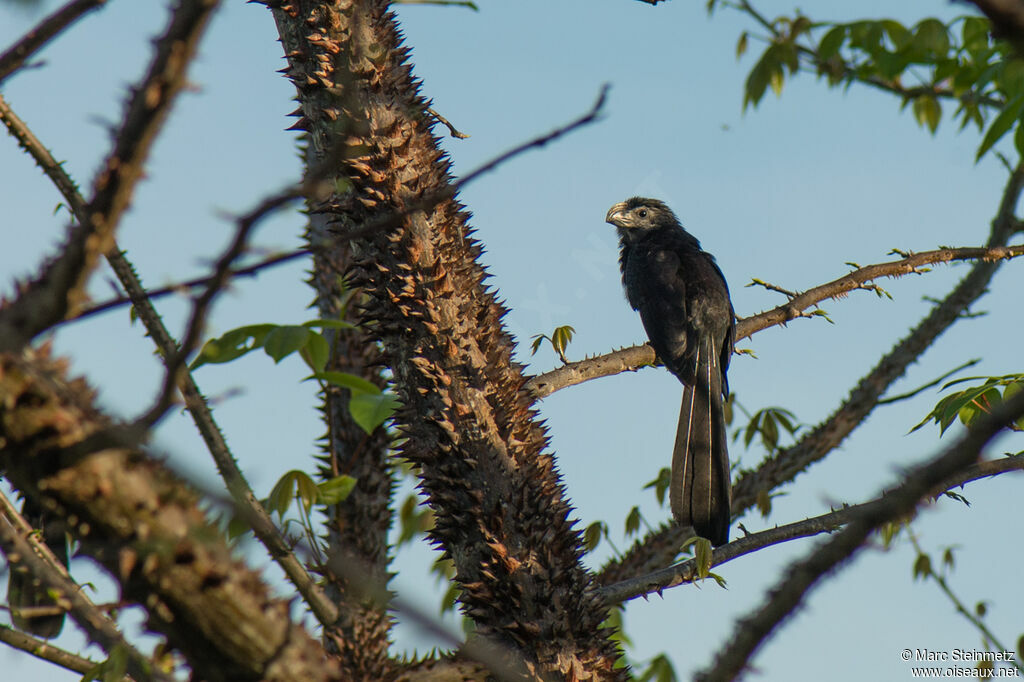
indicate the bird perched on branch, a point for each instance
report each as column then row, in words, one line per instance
column 684, row 304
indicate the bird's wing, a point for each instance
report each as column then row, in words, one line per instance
column 664, row 314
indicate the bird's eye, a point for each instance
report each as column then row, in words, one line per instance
column 642, row 213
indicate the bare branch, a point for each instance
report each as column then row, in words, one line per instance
column 45, row 651
column 216, row 282
column 752, row 631
column 636, row 357
column 48, row 29
column 394, row 218
column 686, row 571
column 452, row 130
column 912, row 264
column 60, row 288
column 183, row 287
column 987, row 635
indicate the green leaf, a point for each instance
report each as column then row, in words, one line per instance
column 1004, row 121
column 283, row 492
column 702, row 552
column 335, row 490
column 232, row 344
column 930, row 35
column 316, row 352
column 831, row 42
column 633, row 521
column 285, row 340
column 741, row 45
column 370, row 410
column 450, row 598
column 1011, row 78
column 537, row 340
column 1010, row 391
column 354, row 383
column 659, row 670
column 307, row 491
column 329, row 324
column 947, row 558
column 927, row 112
column 922, row 566
column 975, row 33
column 592, row 536
column 899, row 34
column 769, row 67
column 237, row 527
column 660, row 484
column 561, row 338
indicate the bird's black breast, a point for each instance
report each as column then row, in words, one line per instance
column 680, row 294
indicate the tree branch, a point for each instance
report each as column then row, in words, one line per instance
column 60, row 287
column 686, row 571
column 45, row 651
column 185, row 286
column 752, row 631
column 176, row 361
column 37, row 38
column 636, row 357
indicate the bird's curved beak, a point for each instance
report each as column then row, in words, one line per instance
column 616, row 214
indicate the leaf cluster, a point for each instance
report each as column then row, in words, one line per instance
column 967, row 404
column 923, row 65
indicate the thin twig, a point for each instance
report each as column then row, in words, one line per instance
column 925, row 387
column 60, row 288
column 394, row 218
column 175, row 363
column 45, row 31
column 45, row 651
column 751, row 632
column 452, row 130
column 686, row 571
column 183, row 287
column 979, row 625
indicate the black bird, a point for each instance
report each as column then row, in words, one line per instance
column 684, row 304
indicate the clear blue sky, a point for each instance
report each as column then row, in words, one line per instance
column 786, row 193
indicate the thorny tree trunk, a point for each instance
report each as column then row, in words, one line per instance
column 498, row 500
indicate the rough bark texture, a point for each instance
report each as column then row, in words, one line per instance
column 357, row 528
column 501, row 515
column 143, row 524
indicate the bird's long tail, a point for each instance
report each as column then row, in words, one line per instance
column 699, row 491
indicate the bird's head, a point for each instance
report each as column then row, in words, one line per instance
column 640, row 215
